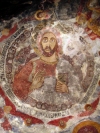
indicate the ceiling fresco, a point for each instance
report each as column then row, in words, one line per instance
column 50, row 68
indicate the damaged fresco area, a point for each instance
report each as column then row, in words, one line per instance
column 49, row 67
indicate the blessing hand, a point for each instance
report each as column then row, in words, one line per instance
column 37, row 80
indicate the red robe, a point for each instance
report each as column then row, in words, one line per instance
column 21, row 82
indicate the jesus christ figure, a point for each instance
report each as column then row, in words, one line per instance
column 33, row 75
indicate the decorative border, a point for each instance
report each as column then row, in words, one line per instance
column 32, row 111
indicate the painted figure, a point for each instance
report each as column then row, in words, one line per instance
column 31, row 77
column 41, row 15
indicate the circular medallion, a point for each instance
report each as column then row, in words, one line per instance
column 42, row 69
column 87, row 127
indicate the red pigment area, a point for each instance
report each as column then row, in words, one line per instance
column 88, row 129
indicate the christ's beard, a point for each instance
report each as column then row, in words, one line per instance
column 50, row 53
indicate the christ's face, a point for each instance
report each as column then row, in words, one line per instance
column 49, row 43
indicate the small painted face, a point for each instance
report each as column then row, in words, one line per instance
column 42, row 14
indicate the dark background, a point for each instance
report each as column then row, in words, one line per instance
column 11, row 8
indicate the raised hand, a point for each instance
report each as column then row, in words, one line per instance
column 61, row 87
column 37, row 80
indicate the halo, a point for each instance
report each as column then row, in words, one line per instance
column 36, row 15
column 86, row 123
